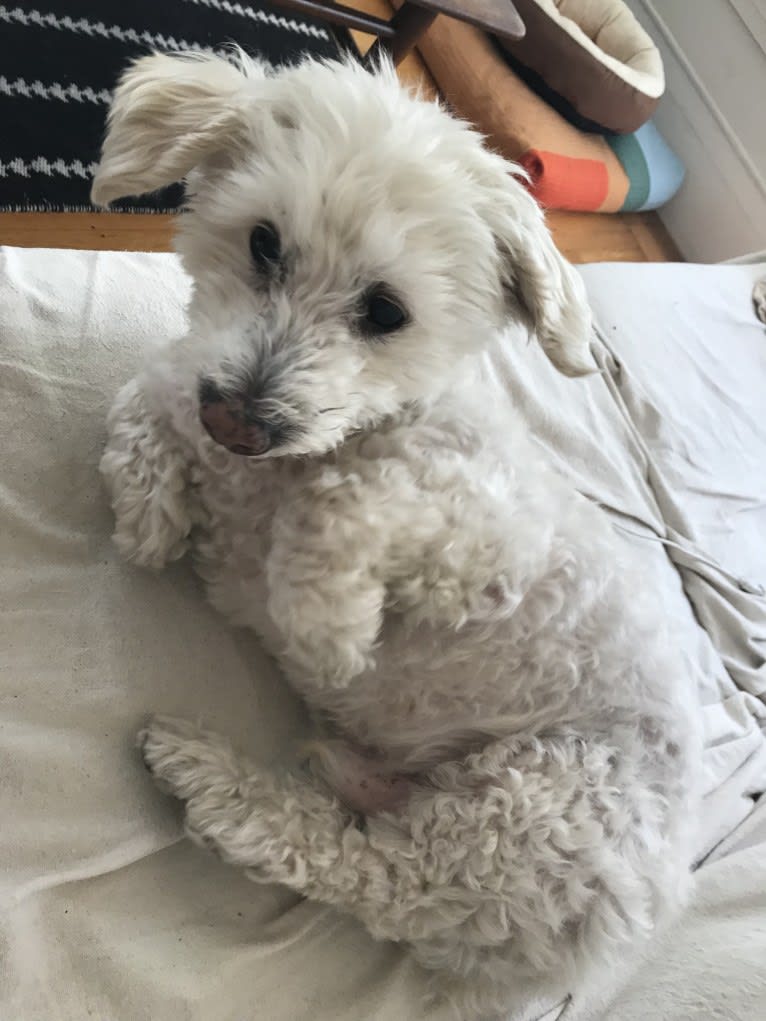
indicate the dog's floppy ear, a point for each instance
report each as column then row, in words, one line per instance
column 535, row 276
column 168, row 114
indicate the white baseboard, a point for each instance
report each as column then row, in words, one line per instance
column 720, row 211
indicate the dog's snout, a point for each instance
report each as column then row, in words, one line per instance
column 230, row 419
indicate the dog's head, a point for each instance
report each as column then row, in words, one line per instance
column 349, row 244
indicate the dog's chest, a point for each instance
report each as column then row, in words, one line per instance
column 422, row 675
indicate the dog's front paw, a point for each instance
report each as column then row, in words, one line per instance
column 146, row 474
column 184, row 759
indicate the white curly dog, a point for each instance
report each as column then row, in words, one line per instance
column 506, row 777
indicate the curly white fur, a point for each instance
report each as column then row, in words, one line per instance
column 508, row 782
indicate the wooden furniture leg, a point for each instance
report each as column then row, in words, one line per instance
column 408, row 23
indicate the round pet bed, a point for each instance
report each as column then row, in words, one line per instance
column 595, row 55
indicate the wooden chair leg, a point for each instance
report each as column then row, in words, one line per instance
column 408, row 23
column 344, row 41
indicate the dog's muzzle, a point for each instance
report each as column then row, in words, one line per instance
column 230, row 419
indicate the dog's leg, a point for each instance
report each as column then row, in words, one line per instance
column 325, row 597
column 281, row 827
column 535, row 851
column 146, row 475
column 328, row 616
column 340, row 554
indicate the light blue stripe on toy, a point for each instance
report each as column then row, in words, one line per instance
column 666, row 171
column 653, row 169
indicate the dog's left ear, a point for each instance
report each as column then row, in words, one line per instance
column 170, row 113
column 536, row 278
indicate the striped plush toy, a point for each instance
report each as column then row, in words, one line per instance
column 569, row 168
column 640, row 172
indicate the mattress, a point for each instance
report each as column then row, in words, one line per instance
column 107, row 912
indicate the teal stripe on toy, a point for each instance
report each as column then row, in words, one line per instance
column 628, row 151
column 653, row 169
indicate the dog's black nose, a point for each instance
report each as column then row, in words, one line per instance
column 231, row 421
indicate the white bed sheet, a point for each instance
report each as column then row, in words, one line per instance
column 106, row 911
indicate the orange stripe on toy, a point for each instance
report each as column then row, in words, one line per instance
column 477, row 82
column 563, row 182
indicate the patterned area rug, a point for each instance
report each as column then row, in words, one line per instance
column 60, row 59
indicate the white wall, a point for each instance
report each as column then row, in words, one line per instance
column 714, row 115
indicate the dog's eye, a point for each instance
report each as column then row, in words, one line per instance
column 383, row 314
column 265, row 246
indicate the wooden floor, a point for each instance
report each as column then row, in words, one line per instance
column 582, row 237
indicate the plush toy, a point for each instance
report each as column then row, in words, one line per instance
column 568, row 167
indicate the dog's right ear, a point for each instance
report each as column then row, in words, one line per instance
column 168, row 114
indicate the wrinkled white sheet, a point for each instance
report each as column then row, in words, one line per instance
column 106, row 911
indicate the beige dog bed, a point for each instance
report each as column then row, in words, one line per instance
column 595, row 55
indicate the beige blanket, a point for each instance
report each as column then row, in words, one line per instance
column 107, row 912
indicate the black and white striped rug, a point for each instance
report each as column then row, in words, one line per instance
column 60, row 59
